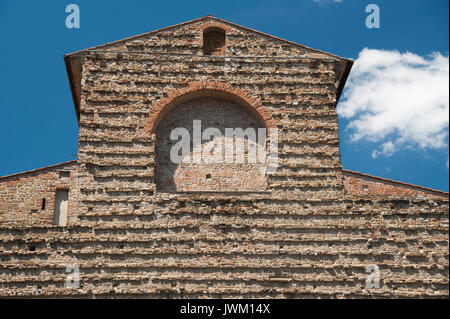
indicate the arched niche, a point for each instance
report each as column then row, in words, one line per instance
column 202, row 163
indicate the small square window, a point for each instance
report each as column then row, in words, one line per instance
column 365, row 187
column 214, row 42
column 64, row 174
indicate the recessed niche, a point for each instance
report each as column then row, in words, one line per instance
column 214, row 42
column 61, row 204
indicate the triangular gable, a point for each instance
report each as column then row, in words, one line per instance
column 186, row 38
column 121, row 45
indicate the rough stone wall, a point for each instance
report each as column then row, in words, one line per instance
column 303, row 237
column 362, row 185
column 237, row 246
column 21, row 194
column 117, row 157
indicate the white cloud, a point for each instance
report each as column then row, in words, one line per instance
column 386, row 149
column 398, row 100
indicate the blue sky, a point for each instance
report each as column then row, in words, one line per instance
column 38, row 125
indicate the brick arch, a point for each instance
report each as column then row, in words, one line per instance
column 215, row 25
column 207, row 89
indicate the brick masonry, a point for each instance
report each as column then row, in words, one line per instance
column 196, row 90
column 302, row 231
column 22, row 195
column 362, row 184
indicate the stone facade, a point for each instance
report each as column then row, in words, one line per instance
column 363, row 184
column 29, row 198
column 139, row 227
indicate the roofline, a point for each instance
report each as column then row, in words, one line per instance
column 135, row 36
column 277, row 38
column 68, row 64
column 204, row 18
column 68, row 57
column 343, row 79
column 395, row 182
column 37, row 169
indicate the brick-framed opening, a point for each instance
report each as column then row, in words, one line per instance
column 214, row 42
column 214, row 26
column 196, row 90
column 204, row 167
